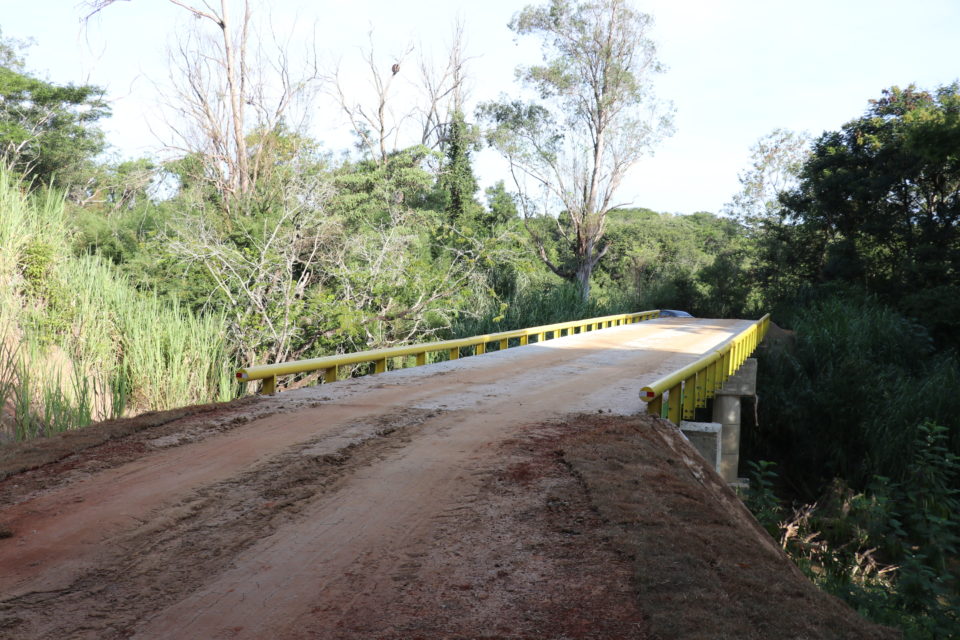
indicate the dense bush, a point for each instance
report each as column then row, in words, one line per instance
column 78, row 343
column 844, row 398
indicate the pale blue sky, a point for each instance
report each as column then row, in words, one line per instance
column 735, row 70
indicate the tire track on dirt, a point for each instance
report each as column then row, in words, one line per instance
column 178, row 548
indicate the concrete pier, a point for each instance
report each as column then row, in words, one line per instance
column 726, row 412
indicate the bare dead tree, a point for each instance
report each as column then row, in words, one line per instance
column 224, row 87
column 443, row 89
column 377, row 125
column 265, row 278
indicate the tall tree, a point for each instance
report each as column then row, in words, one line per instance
column 456, row 177
column 775, row 163
column 880, row 199
column 385, row 121
column 225, row 88
column 596, row 116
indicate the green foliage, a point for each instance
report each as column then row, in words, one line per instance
column 537, row 301
column 591, row 123
column 760, row 497
column 48, row 132
column 456, row 180
column 889, row 551
column 880, row 201
column 11, row 55
column 844, row 399
column 606, row 37
column 501, row 205
column 776, row 162
column 90, row 345
column 699, row 263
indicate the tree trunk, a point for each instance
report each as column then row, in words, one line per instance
column 584, row 270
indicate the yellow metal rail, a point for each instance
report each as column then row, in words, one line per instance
column 689, row 388
column 330, row 364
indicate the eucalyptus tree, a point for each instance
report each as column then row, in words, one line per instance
column 594, row 118
column 776, row 160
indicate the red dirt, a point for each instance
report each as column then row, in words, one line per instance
column 467, row 500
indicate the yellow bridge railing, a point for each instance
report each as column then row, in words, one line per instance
column 330, row 364
column 689, row 388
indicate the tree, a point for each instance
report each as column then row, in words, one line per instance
column 595, row 118
column 456, row 178
column 225, row 88
column 48, row 132
column 880, row 201
column 775, row 163
column 11, row 55
column 501, row 205
column 423, row 119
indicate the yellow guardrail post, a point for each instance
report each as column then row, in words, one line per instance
column 655, row 406
column 674, row 399
column 711, row 379
column 701, row 397
column 269, row 386
column 689, row 397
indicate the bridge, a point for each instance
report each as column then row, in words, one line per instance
column 419, row 502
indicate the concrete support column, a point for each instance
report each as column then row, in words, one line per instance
column 726, row 411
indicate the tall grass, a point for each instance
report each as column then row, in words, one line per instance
column 167, row 355
column 78, row 343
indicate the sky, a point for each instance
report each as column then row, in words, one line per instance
column 735, row 70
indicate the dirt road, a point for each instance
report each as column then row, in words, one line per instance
column 464, row 499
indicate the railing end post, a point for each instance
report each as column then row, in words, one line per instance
column 269, row 386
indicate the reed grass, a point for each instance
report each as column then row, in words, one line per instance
column 78, row 342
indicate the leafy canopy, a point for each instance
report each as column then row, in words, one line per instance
column 47, row 131
column 881, row 199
